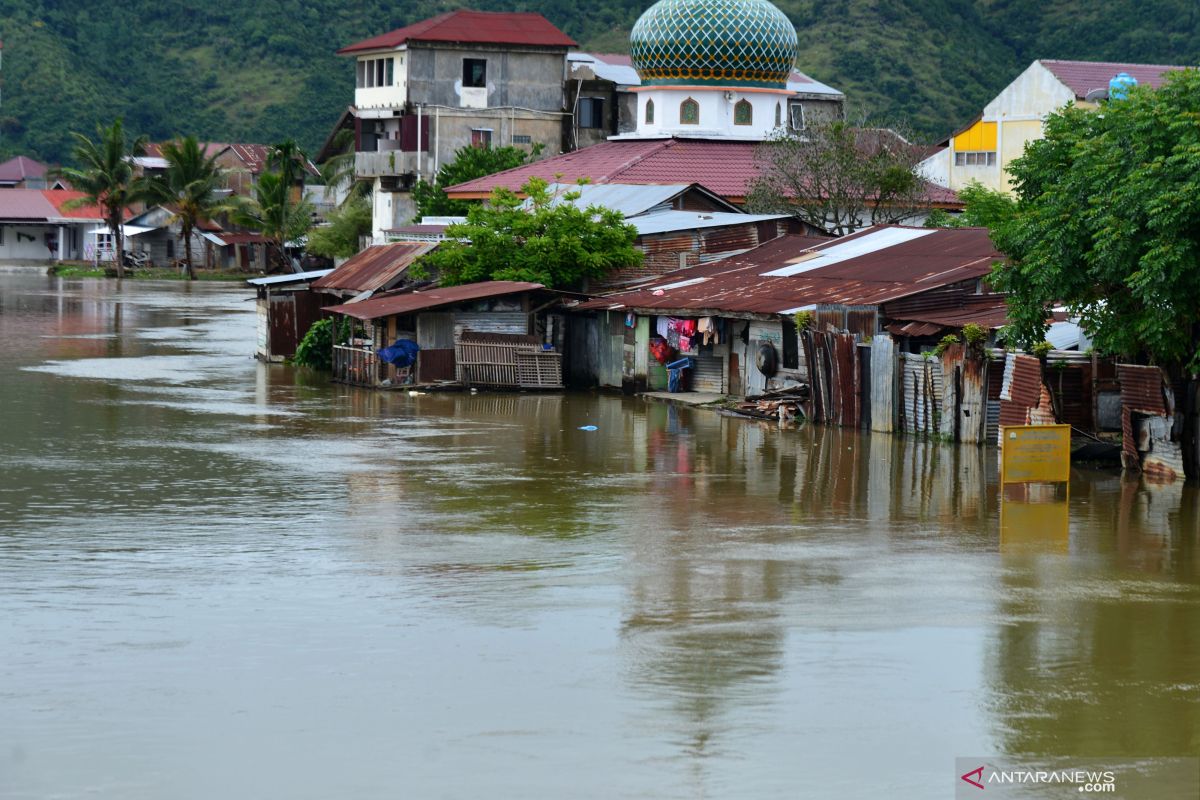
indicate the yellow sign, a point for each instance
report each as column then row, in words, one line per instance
column 1039, row 453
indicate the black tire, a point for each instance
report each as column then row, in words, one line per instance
column 767, row 360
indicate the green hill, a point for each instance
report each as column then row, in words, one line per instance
column 261, row 71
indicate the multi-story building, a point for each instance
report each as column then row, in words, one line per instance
column 982, row 150
column 461, row 78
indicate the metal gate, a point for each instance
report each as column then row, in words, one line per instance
column 708, row 374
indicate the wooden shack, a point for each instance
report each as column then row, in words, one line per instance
column 286, row 310
column 501, row 334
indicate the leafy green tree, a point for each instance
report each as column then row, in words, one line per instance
column 1107, row 222
column 549, row 240
column 106, row 177
column 191, row 187
column 982, row 208
column 839, row 177
column 274, row 213
column 469, row 163
column 340, row 238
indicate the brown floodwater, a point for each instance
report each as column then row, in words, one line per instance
column 223, row 579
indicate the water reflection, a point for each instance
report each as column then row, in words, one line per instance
column 677, row 604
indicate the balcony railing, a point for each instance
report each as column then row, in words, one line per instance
column 357, row 366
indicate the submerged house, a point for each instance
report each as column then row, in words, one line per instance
column 506, row 334
column 736, row 318
column 379, row 268
column 45, row 225
column 285, row 310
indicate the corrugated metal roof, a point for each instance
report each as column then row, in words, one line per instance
column 988, row 310
column 725, row 167
column 476, row 27
column 628, row 198
column 409, row 302
column 294, row 277
column 374, row 268
column 1141, row 388
column 740, row 284
column 1082, row 77
column 18, row 169
column 46, row 205
column 668, row 221
column 802, row 84
column 606, row 67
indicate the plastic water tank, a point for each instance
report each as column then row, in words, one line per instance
column 1119, row 86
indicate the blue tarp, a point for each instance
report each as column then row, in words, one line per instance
column 402, row 353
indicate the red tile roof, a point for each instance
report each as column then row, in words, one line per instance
column 476, row 27
column 727, row 168
column 60, row 197
column 1082, row 77
column 18, row 169
column 374, row 268
column 408, row 302
column 738, row 284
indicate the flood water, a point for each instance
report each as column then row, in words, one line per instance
column 223, row 579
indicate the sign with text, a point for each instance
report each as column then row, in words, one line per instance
column 1036, row 453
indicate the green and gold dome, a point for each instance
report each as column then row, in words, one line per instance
column 713, row 43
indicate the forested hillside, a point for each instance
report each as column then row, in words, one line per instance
column 264, row 70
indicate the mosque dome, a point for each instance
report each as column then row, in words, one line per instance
column 713, row 43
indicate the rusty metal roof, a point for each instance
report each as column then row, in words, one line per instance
column 1141, row 388
column 899, row 267
column 375, row 268
column 475, row 27
column 988, row 310
column 408, row 302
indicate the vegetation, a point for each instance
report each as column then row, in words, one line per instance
column 340, row 238
column 983, row 208
column 803, row 320
column 273, row 211
column 974, row 334
column 191, row 187
column 261, row 71
column 316, row 348
column 551, row 241
column 839, row 177
column 1107, row 223
column 469, row 163
column 105, row 176
column 948, row 341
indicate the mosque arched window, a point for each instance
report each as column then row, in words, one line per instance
column 689, row 112
column 743, row 113
column 649, row 112
column 778, row 115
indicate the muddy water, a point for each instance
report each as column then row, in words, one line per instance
column 220, row 579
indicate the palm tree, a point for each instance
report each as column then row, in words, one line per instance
column 273, row 213
column 339, row 169
column 106, row 177
column 191, row 186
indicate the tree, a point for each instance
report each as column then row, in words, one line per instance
column 190, row 187
column 982, row 208
column 469, row 163
column 274, row 214
column 1107, row 223
column 339, row 169
column 340, row 238
column 549, row 240
column 106, row 177
column 838, row 177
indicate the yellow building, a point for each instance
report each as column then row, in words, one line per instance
column 982, row 150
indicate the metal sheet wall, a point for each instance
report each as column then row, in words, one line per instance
column 708, row 374
column 435, row 331
column 494, row 321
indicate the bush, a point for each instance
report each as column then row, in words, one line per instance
column 1041, row 349
column 803, row 320
column 974, row 334
column 316, row 348
column 944, row 344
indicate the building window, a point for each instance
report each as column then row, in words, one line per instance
column 743, row 113
column 649, row 112
column 475, row 73
column 778, row 115
column 170, row 248
column 689, row 112
column 522, row 138
column 796, row 116
column 987, row 159
column 373, row 72
column 481, row 137
column 1, row 235
column 591, row 112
